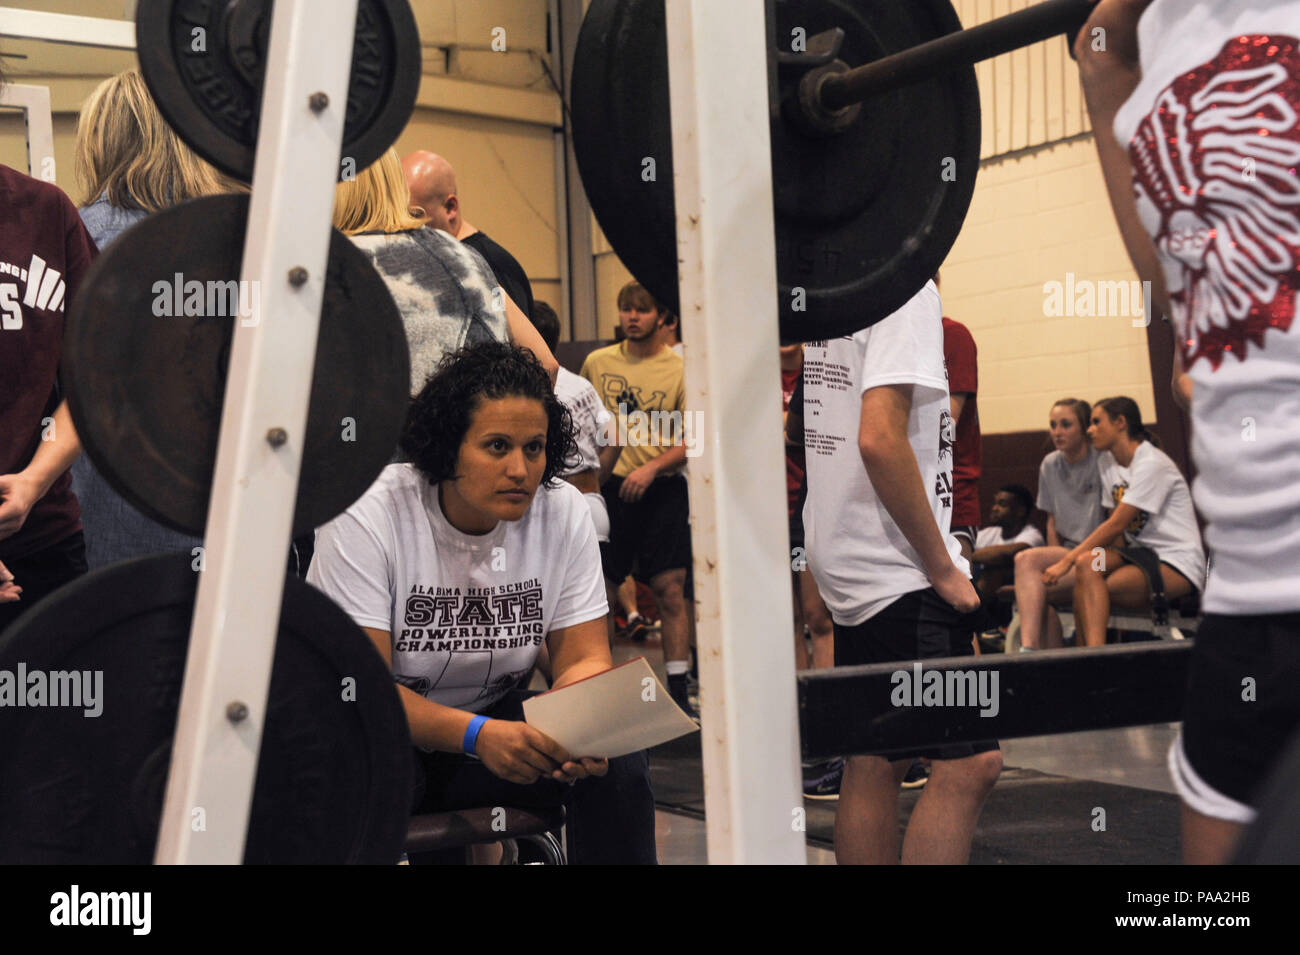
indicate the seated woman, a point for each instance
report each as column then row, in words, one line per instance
column 459, row 565
column 446, row 292
column 1152, row 509
column 1068, row 487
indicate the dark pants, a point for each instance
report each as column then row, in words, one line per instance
column 42, row 573
column 610, row 819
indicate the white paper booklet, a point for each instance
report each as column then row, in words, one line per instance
column 610, row 714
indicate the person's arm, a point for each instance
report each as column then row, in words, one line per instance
column 609, row 456
column 638, row 482
column 19, row 492
column 525, row 334
column 896, row 477
column 1053, row 540
column 10, row 590
column 956, row 403
column 1109, row 78
column 794, row 429
column 1182, row 383
column 510, row 749
column 578, row 652
column 1107, row 534
column 999, row 555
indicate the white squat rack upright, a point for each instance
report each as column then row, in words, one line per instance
column 726, row 245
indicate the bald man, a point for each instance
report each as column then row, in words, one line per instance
column 432, row 182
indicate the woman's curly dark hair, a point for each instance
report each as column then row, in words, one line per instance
column 439, row 416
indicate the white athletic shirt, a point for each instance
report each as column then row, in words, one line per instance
column 859, row 557
column 1167, row 524
column 467, row 614
column 1069, row 493
column 992, row 537
column 1224, row 213
column 590, row 417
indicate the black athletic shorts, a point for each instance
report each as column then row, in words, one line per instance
column 917, row 626
column 43, row 573
column 1243, row 705
column 649, row 536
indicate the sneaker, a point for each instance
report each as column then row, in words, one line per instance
column 822, row 780
column 918, row 774
column 681, row 695
column 635, row 631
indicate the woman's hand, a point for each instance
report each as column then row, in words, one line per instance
column 577, row 769
column 518, row 753
column 1058, row 570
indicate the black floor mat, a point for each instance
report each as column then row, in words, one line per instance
column 1030, row 817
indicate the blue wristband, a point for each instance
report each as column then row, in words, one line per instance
column 471, row 734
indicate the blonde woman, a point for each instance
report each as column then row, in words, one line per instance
column 446, row 292
column 129, row 164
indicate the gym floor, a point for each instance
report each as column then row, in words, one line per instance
column 1133, row 757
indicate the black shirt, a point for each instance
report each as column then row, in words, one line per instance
column 508, row 271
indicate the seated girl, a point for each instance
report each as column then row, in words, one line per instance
column 459, row 565
column 1068, row 490
column 1151, row 508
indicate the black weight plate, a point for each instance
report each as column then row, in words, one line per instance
column 211, row 92
column 146, row 390
column 333, row 776
column 863, row 219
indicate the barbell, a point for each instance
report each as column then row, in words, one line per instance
column 875, row 126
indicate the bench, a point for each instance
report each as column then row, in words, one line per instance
column 444, row 831
column 1183, row 617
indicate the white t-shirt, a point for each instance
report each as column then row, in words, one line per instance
column 467, row 614
column 1069, row 493
column 992, row 537
column 1224, row 214
column 590, row 417
column 1167, row 524
column 859, row 557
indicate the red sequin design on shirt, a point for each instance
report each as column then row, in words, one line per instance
column 1215, row 179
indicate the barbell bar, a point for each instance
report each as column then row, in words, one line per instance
column 1042, row 21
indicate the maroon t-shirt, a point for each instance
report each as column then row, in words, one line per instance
column 44, row 253
column 963, row 377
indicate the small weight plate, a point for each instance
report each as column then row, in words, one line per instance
column 85, row 785
column 204, row 61
column 146, row 386
column 863, row 218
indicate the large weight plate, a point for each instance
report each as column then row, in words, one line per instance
column 146, row 390
column 863, row 219
column 333, row 776
column 204, row 61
